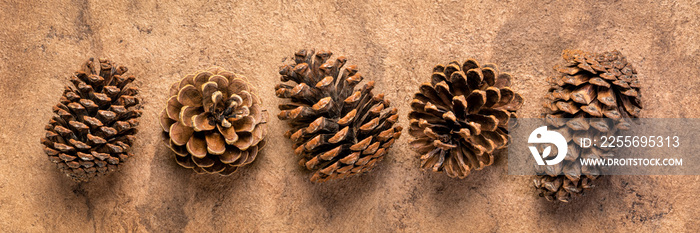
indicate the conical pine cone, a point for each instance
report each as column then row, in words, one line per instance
column 95, row 121
column 214, row 122
column 337, row 130
column 462, row 116
column 593, row 94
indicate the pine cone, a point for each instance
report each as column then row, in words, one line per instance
column 214, row 122
column 603, row 86
column 462, row 116
column 337, row 130
column 95, row 121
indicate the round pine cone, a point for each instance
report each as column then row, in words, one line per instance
column 461, row 117
column 593, row 94
column 95, row 121
column 214, row 122
column 337, row 130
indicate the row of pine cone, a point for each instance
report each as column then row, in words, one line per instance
column 214, row 121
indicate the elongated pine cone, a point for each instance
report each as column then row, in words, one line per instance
column 592, row 94
column 214, row 121
column 337, row 130
column 95, row 121
column 461, row 116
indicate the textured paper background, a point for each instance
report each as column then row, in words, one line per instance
column 394, row 43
